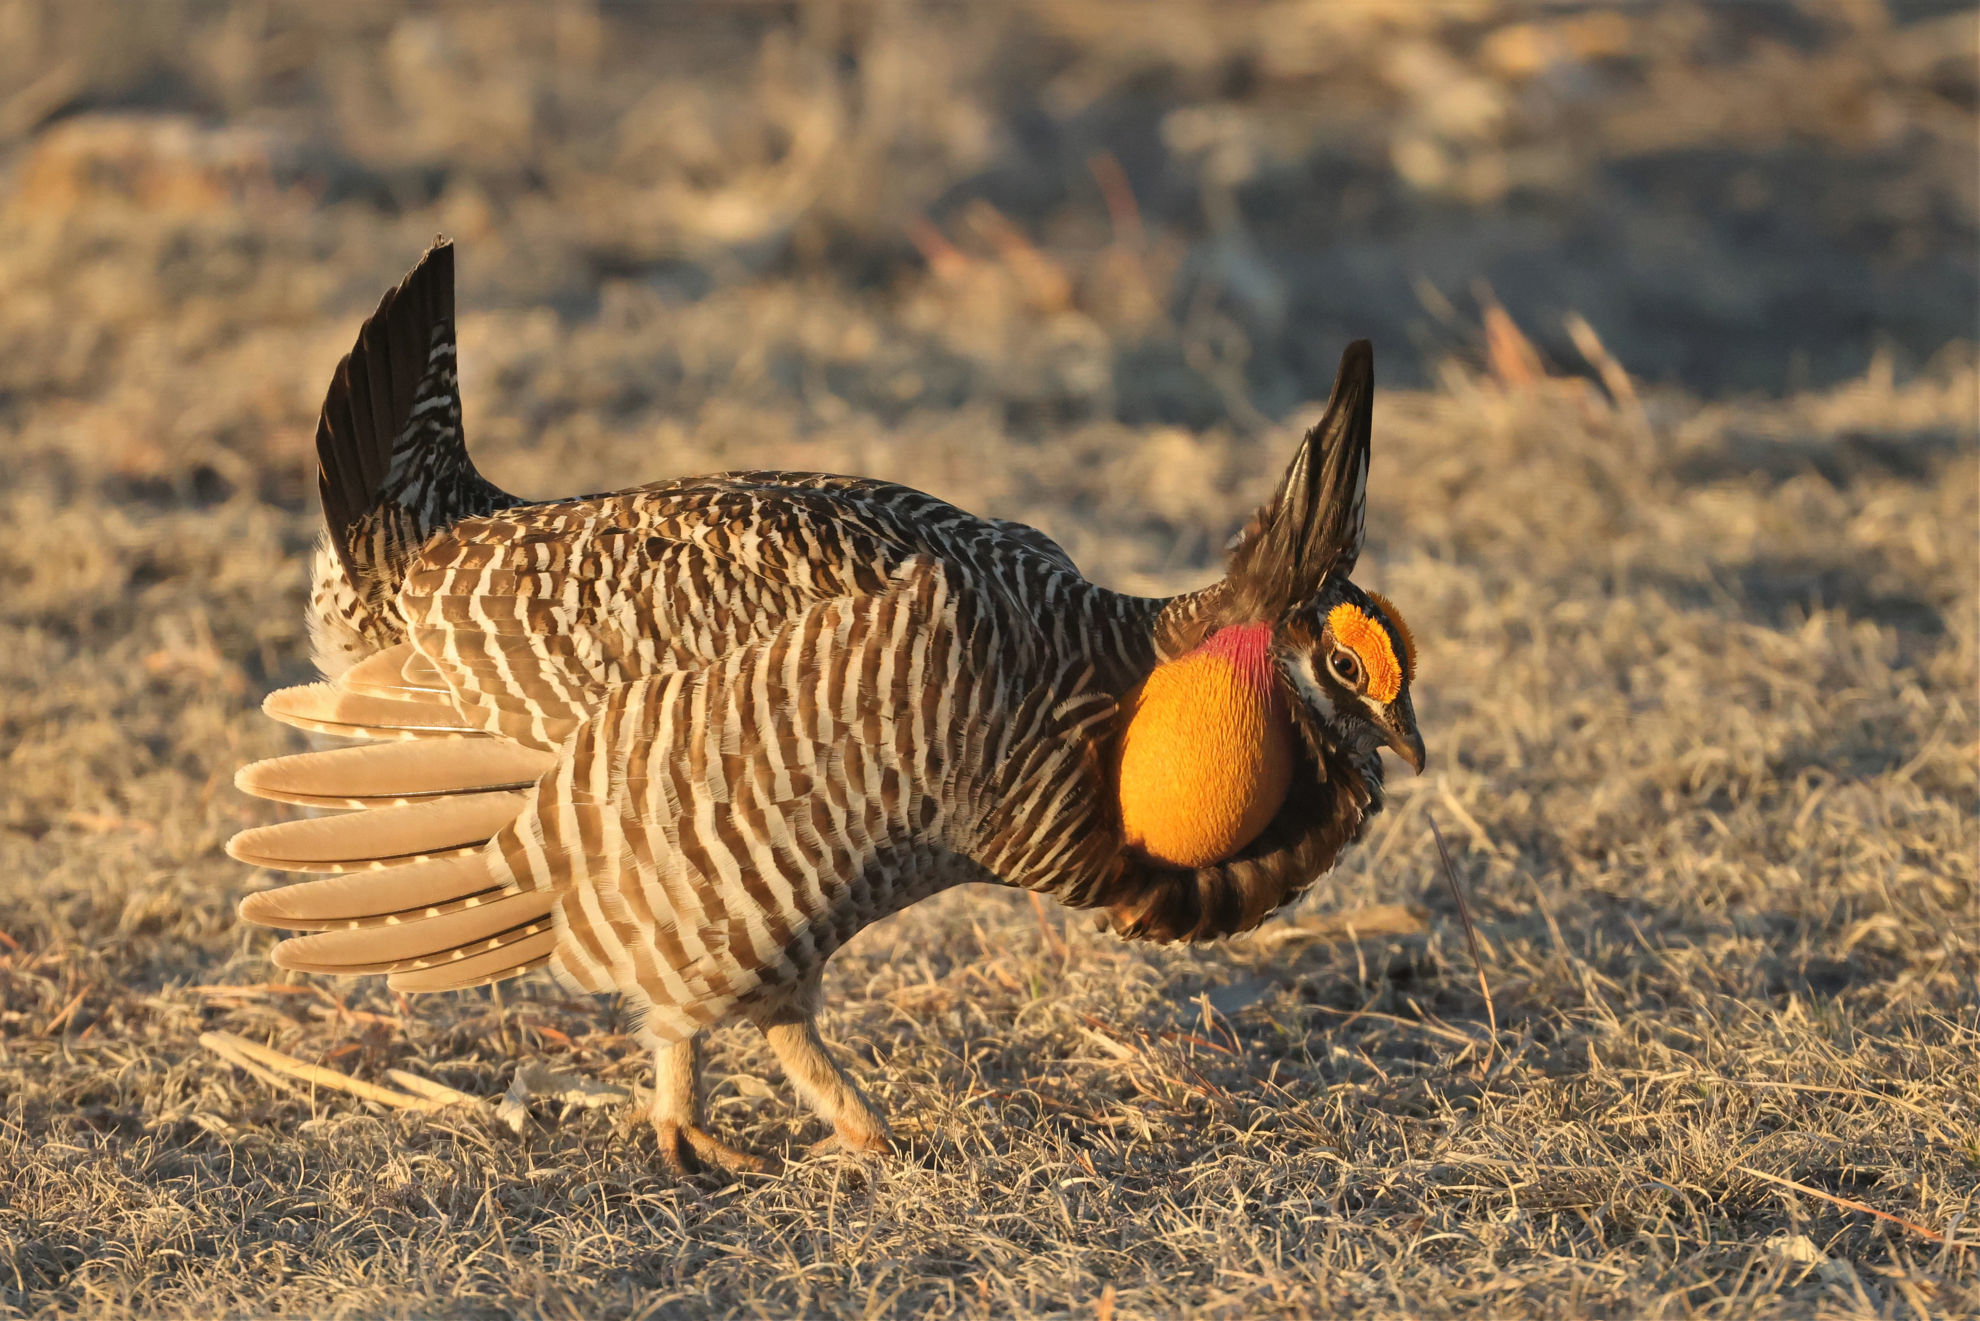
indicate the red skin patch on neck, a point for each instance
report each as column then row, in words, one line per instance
column 1246, row 647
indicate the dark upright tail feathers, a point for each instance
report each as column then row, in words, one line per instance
column 393, row 467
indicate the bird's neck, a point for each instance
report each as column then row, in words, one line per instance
column 1206, row 753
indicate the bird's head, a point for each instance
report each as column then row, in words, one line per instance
column 1349, row 659
column 1294, row 650
column 1345, row 653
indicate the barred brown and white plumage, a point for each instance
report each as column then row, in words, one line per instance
column 683, row 741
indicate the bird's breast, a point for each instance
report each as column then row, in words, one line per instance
column 1206, row 757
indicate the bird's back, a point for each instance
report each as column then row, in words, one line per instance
column 533, row 614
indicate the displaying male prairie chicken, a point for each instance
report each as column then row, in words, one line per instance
column 685, row 740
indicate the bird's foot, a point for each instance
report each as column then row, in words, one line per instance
column 689, row 1150
column 856, row 1141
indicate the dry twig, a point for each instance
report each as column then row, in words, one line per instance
column 1471, row 939
column 270, row 1064
column 1845, row 1202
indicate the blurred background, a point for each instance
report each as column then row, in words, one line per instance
column 1156, row 214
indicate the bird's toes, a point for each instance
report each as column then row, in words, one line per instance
column 857, row 1141
column 689, row 1150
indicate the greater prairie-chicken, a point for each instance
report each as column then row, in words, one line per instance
column 685, row 740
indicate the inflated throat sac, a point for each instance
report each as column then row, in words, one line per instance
column 1207, row 752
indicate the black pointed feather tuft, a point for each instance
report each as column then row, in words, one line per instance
column 1311, row 528
column 392, row 462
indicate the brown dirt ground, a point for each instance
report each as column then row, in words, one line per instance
column 1700, row 649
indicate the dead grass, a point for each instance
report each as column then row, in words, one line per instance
column 1699, row 668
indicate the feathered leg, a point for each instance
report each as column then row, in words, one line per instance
column 685, row 1145
column 792, row 1030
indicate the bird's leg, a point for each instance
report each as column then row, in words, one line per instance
column 817, row 1077
column 685, row 1145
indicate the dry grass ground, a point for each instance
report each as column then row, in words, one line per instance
column 1699, row 672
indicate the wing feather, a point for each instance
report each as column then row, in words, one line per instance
column 532, row 614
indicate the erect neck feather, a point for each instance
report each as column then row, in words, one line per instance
column 1206, row 756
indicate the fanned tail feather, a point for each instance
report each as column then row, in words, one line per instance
column 412, row 893
column 456, row 948
column 394, row 774
column 324, row 708
column 392, row 463
column 399, row 673
column 375, row 898
column 379, row 836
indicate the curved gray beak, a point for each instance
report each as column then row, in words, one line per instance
column 1399, row 723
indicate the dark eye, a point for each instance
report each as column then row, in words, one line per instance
column 1346, row 667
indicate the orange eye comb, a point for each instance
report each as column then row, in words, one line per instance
column 1368, row 640
column 1388, row 608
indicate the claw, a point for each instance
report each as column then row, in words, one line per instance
column 688, row 1151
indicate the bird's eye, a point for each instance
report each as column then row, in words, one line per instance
column 1347, row 667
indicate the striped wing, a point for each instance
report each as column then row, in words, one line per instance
column 712, row 834
column 532, row 615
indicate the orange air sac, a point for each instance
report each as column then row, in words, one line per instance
column 1207, row 753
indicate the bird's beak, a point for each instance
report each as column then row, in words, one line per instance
column 1399, row 723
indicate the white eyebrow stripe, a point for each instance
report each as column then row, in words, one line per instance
column 1308, row 685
